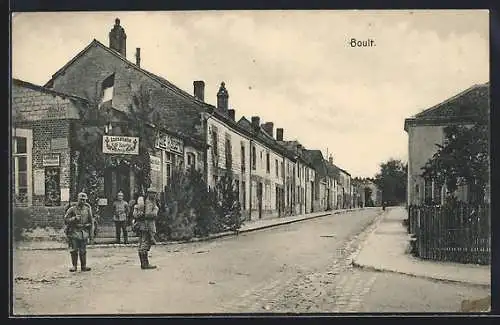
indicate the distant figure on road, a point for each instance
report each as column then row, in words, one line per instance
column 384, row 204
column 120, row 214
column 79, row 222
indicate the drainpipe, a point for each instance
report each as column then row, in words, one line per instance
column 250, row 180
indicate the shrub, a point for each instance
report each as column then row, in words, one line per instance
column 20, row 222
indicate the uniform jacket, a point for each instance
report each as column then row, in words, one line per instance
column 79, row 222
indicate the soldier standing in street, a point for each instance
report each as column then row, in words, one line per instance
column 120, row 215
column 145, row 213
column 79, row 223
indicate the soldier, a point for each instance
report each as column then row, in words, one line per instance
column 120, row 215
column 79, row 222
column 145, row 213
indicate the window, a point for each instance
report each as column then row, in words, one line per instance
column 243, row 162
column 282, row 169
column 21, row 153
column 191, row 160
column 243, row 195
column 215, row 147
column 276, row 166
column 437, row 192
column 107, row 89
column 52, row 186
column 229, row 155
column 168, row 161
column 268, row 163
column 307, row 175
column 237, row 187
column 254, row 158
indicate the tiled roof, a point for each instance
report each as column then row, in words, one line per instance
column 466, row 103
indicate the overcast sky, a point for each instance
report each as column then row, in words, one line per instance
column 293, row 68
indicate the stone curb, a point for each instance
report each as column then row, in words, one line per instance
column 194, row 240
column 422, row 276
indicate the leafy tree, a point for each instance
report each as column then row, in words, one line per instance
column 229, row 208
column 392, row 181
column 90, row 129
column 462, row 159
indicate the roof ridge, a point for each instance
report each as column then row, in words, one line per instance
column 47, row 90
column 457, row 95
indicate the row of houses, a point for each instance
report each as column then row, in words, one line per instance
column 274, row 176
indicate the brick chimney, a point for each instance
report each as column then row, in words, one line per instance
column 199, row 89
column 138, row 57
column 255, row 121
column 269, row 128
column 330, row 159
column 279, row 134
column 222, row 98
column 118, row 39
column 231, row 113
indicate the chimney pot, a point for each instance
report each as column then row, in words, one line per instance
column 199, row 89
column 279, row 134
column 231, row 113
column 138, row 57
column 256, row 121
column 330, row 159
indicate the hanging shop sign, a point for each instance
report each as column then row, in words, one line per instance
column 169, row 143
column 120, row 145
column 52, row 160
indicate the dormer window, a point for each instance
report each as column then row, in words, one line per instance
column 107, row 89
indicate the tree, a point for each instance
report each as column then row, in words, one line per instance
column 392, row 181
column 462, row 159
column 90, row 129
column 229, row 209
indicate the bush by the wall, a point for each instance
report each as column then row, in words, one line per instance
column 20, row 222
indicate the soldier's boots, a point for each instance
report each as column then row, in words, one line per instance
column 74, row 261
column 143, row 256
column 83, row 262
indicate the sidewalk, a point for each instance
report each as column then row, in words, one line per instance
column 247, row 227
column 386, row 249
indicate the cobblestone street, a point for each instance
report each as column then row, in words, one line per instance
column 301, row 267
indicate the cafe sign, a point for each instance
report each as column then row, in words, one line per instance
column 120, row 145
column 169, row 143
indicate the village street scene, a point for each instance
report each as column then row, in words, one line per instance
column 250, row 162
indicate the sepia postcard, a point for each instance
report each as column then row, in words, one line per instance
column 250, row 162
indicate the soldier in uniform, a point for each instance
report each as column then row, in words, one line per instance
column 79, row 222
column 120, row 215
column 145, row 213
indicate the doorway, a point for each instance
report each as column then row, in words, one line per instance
column 259, row 198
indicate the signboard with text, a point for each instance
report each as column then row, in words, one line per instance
column 169, row 143
column 120, row 145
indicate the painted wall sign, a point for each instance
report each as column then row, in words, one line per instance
column 155, row 163
column 120, row 145
column 52, row 160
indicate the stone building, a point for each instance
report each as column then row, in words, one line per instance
column 274, row 177
column 425, row 130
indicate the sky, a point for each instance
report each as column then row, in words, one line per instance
column 294, row 68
